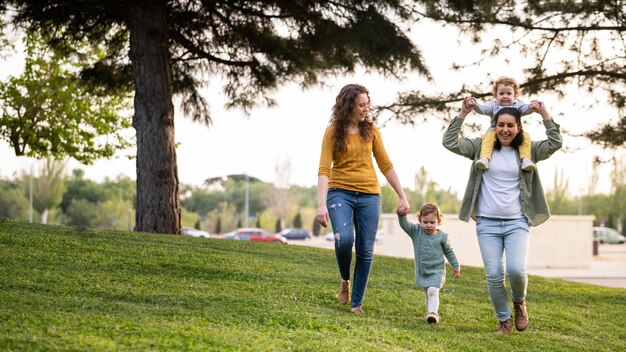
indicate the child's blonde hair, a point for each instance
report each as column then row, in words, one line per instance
column 506, row 81
column 430, row 208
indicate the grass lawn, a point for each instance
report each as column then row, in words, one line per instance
column 64, row 288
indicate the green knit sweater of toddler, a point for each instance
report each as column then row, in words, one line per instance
column 430, row 270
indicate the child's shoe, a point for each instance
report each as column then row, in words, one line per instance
column 483, row 164
column 527, row 164
column 432, row 318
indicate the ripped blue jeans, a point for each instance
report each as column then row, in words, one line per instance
column 354, row 218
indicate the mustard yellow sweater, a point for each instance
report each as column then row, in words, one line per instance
column 353, row 169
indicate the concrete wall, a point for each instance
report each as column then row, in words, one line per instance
column 561, row 242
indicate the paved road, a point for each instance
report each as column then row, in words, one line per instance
column 607, row 269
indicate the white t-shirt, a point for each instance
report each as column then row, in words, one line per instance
column 499, row 195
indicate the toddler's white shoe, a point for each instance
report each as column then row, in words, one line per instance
column 432, row 318
column 527, row 164
column 482, row 164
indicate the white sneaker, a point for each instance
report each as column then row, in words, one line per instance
column 528, row 165
column 482, row 164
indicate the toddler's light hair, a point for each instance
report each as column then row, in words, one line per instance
column 430, row 208
column 507, row 81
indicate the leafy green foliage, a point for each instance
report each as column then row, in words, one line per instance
column 566, row 45
column 317, row 228
column 297, row 220
column 50, row 111
column 67, row 288
column 13, row 202
column 109, row 204
column 48, row 187
column 175, row 47
column 255, row 47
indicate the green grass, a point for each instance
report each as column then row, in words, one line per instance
column 64, row 288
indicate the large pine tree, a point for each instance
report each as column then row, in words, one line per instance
column 168, row 48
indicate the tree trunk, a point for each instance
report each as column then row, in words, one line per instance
column 44, row 216
column 158, row 202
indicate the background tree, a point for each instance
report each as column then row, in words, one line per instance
column 49, row 111
column 77, row 187
column 421, row 180
column 173, row 46
column 388, row 199
column 618, row 185
column 565, row 45
column 297, row 221
column 218, row 226
column 317, row 228
column 13, row 203
column 226, row 215
column 81, row 212
column 279, row 226
column 278, row 200
column 557, row 197
column 48, row 187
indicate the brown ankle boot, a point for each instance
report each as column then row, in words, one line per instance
column 521, row 316
column 344, row 291
column 505, row 327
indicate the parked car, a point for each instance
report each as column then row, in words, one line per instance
column 295, row 234
column 380, row 234
column 254, row 234
column 607, row 235
column 190, row 231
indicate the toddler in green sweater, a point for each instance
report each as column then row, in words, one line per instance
column 430, row 245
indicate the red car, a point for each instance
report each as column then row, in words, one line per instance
column 254, row 234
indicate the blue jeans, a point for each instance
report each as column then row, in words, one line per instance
column 495, row 237
column 354, row 218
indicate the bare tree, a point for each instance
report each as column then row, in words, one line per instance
column 48, row 187
column 279, row 201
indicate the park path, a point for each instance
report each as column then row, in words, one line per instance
column 607, row 269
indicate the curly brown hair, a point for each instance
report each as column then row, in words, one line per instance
column 506, row 81
column 342, row 114
column 430, row 208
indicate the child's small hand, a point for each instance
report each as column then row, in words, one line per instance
column 457, row 272
column 470, row 102
column 535, row 105
column 403, row 208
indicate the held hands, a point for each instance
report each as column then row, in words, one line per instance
column 466, row 107
column 469, row 102
column 403, row 207
column 457, row 272
column 540, row 108
column 535, row 105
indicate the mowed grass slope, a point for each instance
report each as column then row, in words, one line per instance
column 64, row 288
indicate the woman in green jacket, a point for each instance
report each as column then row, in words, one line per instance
column 504, row 201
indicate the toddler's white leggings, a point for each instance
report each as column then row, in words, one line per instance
column 432, row 299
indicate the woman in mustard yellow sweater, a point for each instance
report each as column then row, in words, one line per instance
column 348, row 192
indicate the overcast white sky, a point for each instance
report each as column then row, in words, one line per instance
column 293, row 130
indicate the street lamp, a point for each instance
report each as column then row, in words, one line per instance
column 247, row 201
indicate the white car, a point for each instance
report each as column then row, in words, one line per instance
column 190, row 231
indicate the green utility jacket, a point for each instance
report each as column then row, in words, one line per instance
column 534, row 205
